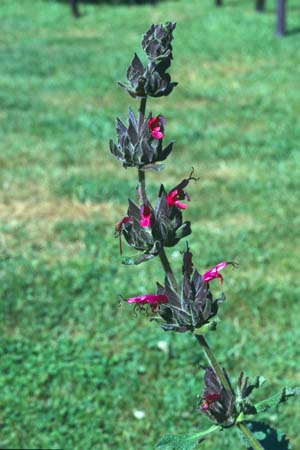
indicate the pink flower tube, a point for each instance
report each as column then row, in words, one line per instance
column 153, row 300
column 173, row 198
column 146, row 215
column 213, row 273
column 156, row 127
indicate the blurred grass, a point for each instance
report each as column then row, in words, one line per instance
column 75, row 365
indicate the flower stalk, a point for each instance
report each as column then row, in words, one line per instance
column 249, row 436
column 168, row 270
column 213, row 362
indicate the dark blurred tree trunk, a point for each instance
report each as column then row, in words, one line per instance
column 260, row 5
column 219, row 2
column 74, row 8
column 281, row 20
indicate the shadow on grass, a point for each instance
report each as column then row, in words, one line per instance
column 293, row 31
column 75, row 4
column 269, row 438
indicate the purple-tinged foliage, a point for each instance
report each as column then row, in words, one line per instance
column 158, row 82
column 217, row 402
column 152, row 79
column 157, row 40
column 193, row 307
column 136, row 146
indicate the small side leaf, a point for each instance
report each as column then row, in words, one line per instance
column 184, row 441
column 276, row 399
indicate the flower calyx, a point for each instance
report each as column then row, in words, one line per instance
column 140, row 147
column 157, row 40
column 218, row 403
column 193, row 308
column 149, row 229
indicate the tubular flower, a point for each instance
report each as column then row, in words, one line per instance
column 173, row 198
column 178, row 193
column 146, row 215
column 140, row 145
column 156, row 126
column 213, row 273
column 153, row 300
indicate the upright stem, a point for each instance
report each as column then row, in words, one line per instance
column 250, row 438
column 168, row 270
column 213, row 362
column 142, row 187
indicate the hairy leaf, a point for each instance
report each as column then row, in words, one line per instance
column 184, row 441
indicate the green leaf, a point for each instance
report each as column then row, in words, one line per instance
column 268, row 437
column 184, row 441
column 276, row 399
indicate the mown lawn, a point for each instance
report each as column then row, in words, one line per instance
column 75, row 367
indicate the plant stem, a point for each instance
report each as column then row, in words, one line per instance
column 213, row 362
column 142, row 187
column 168, row 270
column 250, row 438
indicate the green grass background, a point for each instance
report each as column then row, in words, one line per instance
column 74, row 365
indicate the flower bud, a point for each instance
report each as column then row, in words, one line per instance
column 152, row 79
column 217, row 402
column 138, row 147
column 157, row 40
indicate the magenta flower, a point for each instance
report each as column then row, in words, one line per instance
column 125, row 219
column 213, row 273
column 153, row 300
column 178, row 193
column 156, row 127
column 208, row 400
column 173, row 198
column 146, row 215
